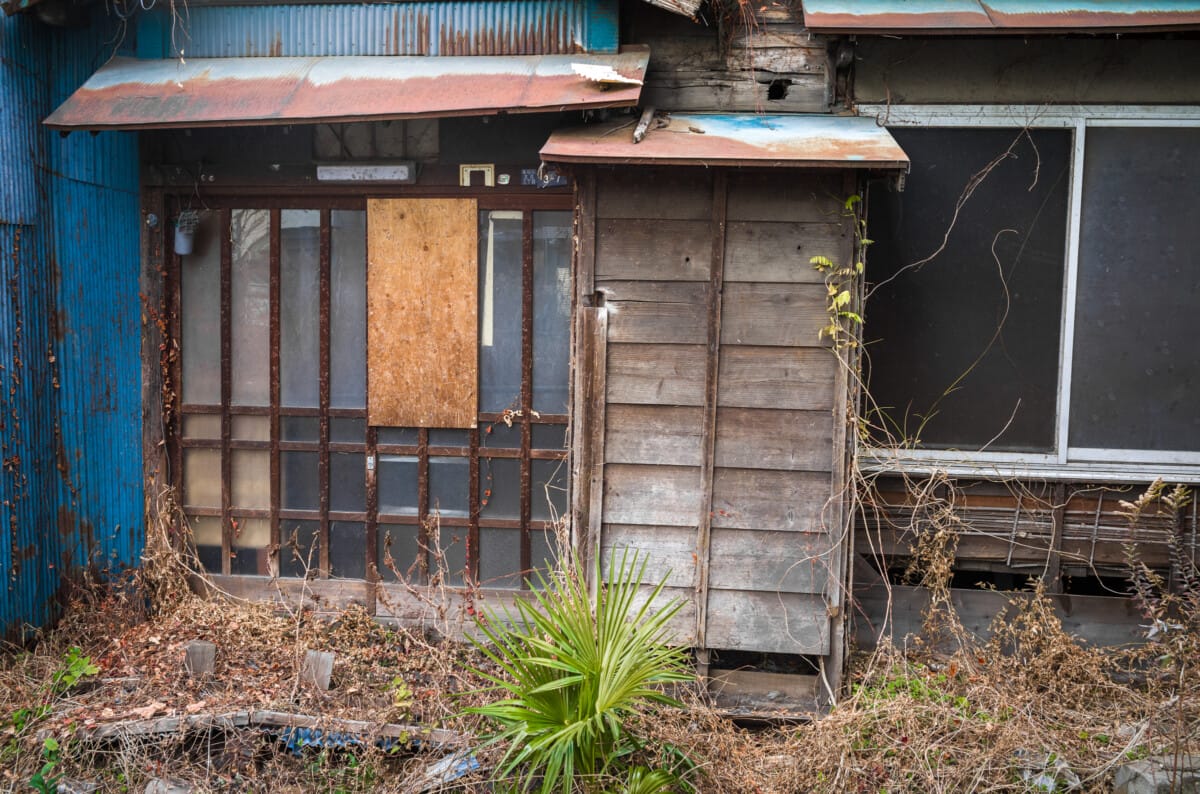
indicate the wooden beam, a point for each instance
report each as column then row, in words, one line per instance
column 156, row 350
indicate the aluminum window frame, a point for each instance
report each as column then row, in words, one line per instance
column 1066, row 463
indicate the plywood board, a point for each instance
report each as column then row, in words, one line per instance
column 422, row 308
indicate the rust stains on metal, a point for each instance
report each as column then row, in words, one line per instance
column 811, row 141
column 998, row 16
column 128, row 93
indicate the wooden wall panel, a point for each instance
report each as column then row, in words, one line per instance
column 775, row 500
column 670, row 551
column 769, row 622
column 656, row 311
column 422, row 297
column 789, row 315
column 776, row 377
column 780, row 252
column 656, row 374
column 786, row 196
column 653, row 250
column 651, row 495
column 653, row 434
column 654, row 193
column 784, row 562
column 754, row 438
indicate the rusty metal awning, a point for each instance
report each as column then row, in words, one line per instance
column 128, row 93
column 998, row 16
column 808, row 141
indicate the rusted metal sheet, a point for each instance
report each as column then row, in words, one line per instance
column 997, row 16
column 811, row 141
column 419, row 27
column 422, row 297
column 127, row 93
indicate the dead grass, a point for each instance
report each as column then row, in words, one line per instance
column 985, row 717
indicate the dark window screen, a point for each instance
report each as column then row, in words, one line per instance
column 963, row 350
column 1133, row 383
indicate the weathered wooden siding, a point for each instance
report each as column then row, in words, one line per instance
column 719, row 432
column 773, row 65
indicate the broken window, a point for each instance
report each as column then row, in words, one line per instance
column 1031, row 294
column 278, row 466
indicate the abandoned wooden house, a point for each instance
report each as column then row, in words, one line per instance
column 398, row 301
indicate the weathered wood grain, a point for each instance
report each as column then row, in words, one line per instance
column 785, row 562
column 681, row 627
column 422, row 300
column 678, row 193
column 777, row 377
column 656, row 312
column 651, row 495
column 755, row 438
column 775, row 500
column 656, row 374
column 653, row 434
column 788, row 315
column 780, row 252
column 670, row 552
column 786, row 197
column 768, row 622
column 652, row 250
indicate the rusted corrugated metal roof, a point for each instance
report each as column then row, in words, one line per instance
column 997, row 16
column 813, row 141
column 127, row 93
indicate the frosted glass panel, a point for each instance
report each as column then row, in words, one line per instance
column 299, row 549
column 202, row 477
column 549, row 490
column 398, row 553
column 396, row 477
column 453, row 562
column 500, row 488
column 347, row 482
column 1134, row 382
column 449, row 486
column 202, row 426
column 299, row 480
column 251, row 473
column 500, row 254
column 251, row 428
column 250, row 308
column 200, row 345
column 299, row 308
column 551, row 310
column 348, row 549
column 348, row 310
column 500, row 557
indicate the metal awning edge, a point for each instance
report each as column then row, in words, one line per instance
column 132, row 94
column 764, row 141
column 999, row 16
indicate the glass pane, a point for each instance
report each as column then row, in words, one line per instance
column 449, row 486
column 299, row 308
column 543, row 554
column 396, row 478
column 549, row 490
column 299, row 547
column 500, row 257
column 251, row 473
column 500, row 488
column 299, row 428
column 453, row 563
column 397, row 435
column 449, row 438
column 202, row 477
column 200, row 310
column 250, row 315
column 500, row 436
column 348, row 310
column 299, row 481
column 348, row 430
column 500, row 557
column 399, row 553
column 250, row 556
column 963, row 350
column 549, row 436
column 251, row 428
column 551, row 310
column 202, row 426
column 348, row 549
column 347, row 482
column 1133, row 383
column 206, row 531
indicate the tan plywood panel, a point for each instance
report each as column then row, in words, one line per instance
column 422, row 298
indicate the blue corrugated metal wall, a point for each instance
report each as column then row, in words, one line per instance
column 420, row 27
column 70, row 433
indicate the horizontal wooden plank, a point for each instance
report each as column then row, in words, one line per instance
column 743, row 91
column 790, row 315
column 657, row 374
column 670, row 552
column 681, row 628
column 784, row 196
column 757, row 438
column 653, row 249
column 682, row 194
column 651, row 495
column 657, row 312
column 767, row 622
column 781, row 252
column 795, row 378
column 784, row 562
column 653, row 434
column 777, row 500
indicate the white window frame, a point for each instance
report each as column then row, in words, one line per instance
column 1066, row 463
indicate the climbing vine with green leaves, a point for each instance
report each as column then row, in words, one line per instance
column 841, row 283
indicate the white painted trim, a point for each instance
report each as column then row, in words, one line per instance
column 1151, row 457
column 1066, row 350
column 1028, row 115
column 1116, row 468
